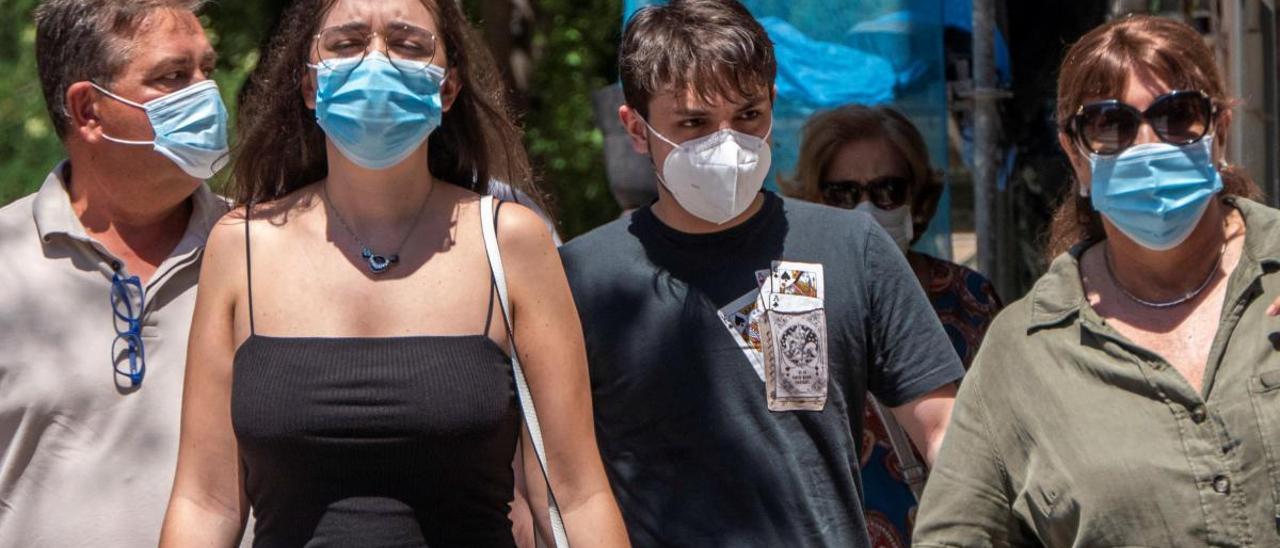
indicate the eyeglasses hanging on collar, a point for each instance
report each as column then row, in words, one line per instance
column 128, row 355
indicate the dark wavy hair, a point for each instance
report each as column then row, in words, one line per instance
column 281, row 148
column 1098, row 67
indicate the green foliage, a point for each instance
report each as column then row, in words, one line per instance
column 575, row 44
column 578, row 41
column 29, row 147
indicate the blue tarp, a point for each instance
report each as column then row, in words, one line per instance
column 835, row 52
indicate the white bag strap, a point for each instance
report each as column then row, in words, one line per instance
column 913, row 470
column 489, row 230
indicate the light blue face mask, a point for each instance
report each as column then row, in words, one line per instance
column 190, row 127
column 1156, row 193
column 379, row 112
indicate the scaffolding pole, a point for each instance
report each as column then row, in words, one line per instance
column 986, row 119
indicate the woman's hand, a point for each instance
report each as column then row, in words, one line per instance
column 207, row 506
column 548, row 339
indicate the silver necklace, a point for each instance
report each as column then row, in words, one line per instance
column 1106, row 258
column 378, row 263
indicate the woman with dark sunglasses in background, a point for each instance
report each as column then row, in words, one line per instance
column 872, row 159
column 354, row 373
column 1132, row 398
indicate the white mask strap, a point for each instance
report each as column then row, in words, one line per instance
column 127, row 102
column 674, row 144
column 768, row 133
column 117, row 97
column 655, row 132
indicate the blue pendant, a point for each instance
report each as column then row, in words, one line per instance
column 378, row 263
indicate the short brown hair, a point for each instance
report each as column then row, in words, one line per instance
column 87, row 40
column 1099, row 67
column 713, row 47
column 827, row 132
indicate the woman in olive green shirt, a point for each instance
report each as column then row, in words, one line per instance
column 1132, row 398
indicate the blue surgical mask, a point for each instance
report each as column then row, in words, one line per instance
column 190, row 127
column 378, row 112
column 1156, row 193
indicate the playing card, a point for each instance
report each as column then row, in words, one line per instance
column 793, row 278
column 741, row 317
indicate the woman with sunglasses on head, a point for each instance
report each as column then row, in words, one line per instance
column 1132, row 398
column 353, row 372
column 872, row 159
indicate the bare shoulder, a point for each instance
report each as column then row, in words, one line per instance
column 224, row 251
column 519, row 225
column 260, row 224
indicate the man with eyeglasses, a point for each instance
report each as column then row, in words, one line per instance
column 101, row 270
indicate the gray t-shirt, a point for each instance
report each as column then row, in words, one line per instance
column 695, row 456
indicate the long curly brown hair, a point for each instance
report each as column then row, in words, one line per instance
column 1099, row 66
column 281, row 148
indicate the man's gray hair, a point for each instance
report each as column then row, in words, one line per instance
column 88, row 40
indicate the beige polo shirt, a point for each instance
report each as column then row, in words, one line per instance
column 84, row 462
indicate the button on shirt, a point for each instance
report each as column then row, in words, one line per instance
column 1067, row 434
column 85, row 461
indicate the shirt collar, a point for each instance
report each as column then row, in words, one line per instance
column 1059, row 294
column 52, row 208
column 54, row 215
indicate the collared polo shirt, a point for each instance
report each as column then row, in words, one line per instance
column 1065, row 433
column 84, row 459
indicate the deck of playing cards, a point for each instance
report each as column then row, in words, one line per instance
column 793, row 337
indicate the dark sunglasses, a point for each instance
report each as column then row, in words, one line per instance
column 883, row 192
column 1109, row 127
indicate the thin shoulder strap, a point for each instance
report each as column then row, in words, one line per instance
column 493, row 282
column 248, row 264
column 522, row 386
column 913, row 471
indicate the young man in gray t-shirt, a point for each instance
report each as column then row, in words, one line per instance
column 732, row 334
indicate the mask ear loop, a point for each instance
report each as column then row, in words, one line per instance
column 769, row 133
column 127, row 102
column 1092, row 157
column 655, row 132
column 1077, row 139
column 656, row 169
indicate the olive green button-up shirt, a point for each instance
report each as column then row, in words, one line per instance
column 1066, row 434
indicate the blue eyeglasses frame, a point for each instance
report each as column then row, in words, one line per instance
column 122, row 307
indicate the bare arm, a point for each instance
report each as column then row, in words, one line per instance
column 536, row 493
column 925, row 420
column 207, row 506
column 521, row 515
column 548, row 337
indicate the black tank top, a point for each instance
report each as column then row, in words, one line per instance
column 375, row 442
